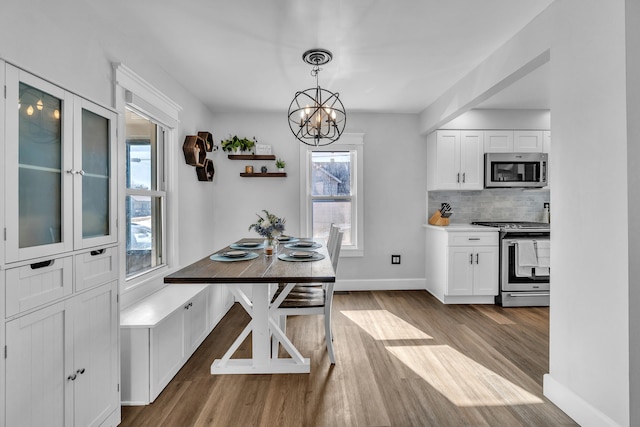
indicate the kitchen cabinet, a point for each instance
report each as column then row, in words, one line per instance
column 60, row 191
column 462, row 264
column 546, row 141
column 61, row 362
column 498, row 141
column 455, row 160
column 527, row 141
column 513, row 141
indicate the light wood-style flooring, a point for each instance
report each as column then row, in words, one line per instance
column 402, row 359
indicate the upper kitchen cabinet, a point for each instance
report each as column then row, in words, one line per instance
column 546, row 141
column 498, row 141
column 60, row 182
column 455, row 160
column 513, row 141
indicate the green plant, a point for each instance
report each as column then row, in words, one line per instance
column 233, row 144
column 280, row 164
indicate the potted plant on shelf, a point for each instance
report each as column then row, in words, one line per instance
column 280, row 164
column 238, row 145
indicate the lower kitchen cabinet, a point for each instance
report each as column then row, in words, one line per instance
column 62, row 361
column 462, row 264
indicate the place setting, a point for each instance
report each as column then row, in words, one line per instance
column 247, row 245
column 305, row 255
column 234, row 255
column 303, row 245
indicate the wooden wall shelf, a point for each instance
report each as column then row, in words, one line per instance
column 251, row 157
column 264, row 175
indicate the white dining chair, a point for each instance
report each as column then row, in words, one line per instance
column 310, row 300
column 331, row 240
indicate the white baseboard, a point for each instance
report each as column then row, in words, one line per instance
column 380, row 284
column 573, row 405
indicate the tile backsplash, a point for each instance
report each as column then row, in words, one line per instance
column 493, row 204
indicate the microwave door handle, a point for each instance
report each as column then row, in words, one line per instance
column 544, row 171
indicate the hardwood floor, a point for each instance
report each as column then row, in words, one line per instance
column 402, row 359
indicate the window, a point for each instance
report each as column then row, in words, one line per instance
column 145, row 194
column 332, row 191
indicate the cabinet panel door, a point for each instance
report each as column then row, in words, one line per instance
column 38, row 363
column 448, row 160
column 38, row 156
column 471, row 160
column 527, row 141
column 95, row 185
column 460, row 277
column 498, row 141
column 196, row 321
column 95, row 355
column 167, row 348
column 485, row 280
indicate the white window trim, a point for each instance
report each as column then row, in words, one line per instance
column 131, row 89
column 348, row 141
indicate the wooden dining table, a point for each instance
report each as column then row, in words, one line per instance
column 263, row 273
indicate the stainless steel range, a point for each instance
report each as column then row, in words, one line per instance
column 524, row 263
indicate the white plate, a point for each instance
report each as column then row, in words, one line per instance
column 235, row 254
column 301, row 254
column 303, row 244
column 249, row 244
column 284, row 238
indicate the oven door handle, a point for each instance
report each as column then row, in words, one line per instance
column 528, row 294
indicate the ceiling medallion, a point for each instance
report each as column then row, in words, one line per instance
column 316, row 115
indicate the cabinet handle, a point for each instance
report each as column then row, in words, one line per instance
column 474, row 238
column 471, row 259
column 80, row 371
column 477, row 256
column 464, row 177
column 458, row 180
column 98, row 252
column 186, row 307
column 41, row 264
column 72, row 377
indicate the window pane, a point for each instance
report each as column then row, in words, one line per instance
column 331, row 173
column 144, row 233
column 141, row 152
column 326, row 212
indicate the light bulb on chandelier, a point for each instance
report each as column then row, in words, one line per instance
column 317, row 116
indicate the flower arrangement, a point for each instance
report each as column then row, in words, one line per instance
column 269, row 225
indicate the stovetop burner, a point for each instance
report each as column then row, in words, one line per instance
column 514, row 225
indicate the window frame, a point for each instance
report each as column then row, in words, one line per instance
column 134, row 92
column 160, row 192
column 352, row 142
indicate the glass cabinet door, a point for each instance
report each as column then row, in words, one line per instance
column 38, row 154
column 94, row 183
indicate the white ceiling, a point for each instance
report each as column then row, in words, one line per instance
column 389, row 56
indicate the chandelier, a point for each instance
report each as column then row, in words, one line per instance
column 316, row 115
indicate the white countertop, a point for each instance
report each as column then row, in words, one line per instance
column 461, row 228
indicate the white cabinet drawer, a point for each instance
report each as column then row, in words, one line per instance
column 96, row 267
column 473, row 239
column 36, row 284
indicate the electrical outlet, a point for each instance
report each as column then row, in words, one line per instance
column 395, row 259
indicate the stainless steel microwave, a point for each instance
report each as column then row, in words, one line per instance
column 508, row 170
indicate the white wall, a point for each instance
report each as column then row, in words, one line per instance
column 394, row 193
column 633, row 136
column 589, row 345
